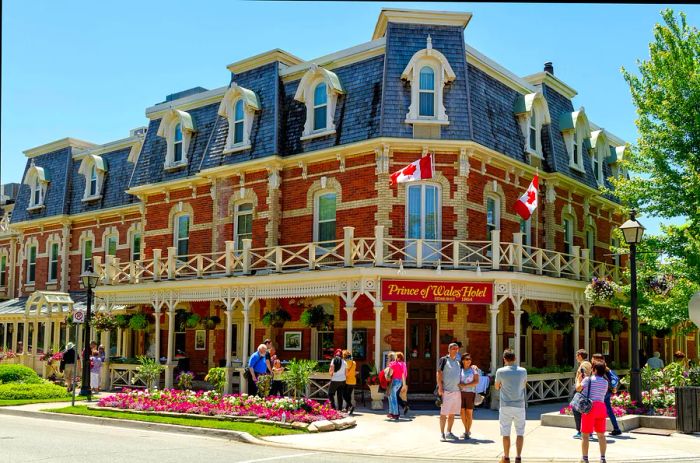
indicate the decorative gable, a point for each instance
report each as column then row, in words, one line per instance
column 93, row 168
column 319, row 90
column 532, row 113
column 238, row 107
column 575, row 129
column 38, row 180
column 177, row 128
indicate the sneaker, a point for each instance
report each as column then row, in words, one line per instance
column 443, row 438
column 615, row 432
column 577, row 435
column 465, row 436
column 451, row 436
column 351, row 410
column 405, row 410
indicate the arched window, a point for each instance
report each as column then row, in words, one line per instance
column 181, row 234
column 493, row 215
column 53, row 261
column 320, row 106
column 177, row 144
column 110, row 245
column 243, row 225
column 590, row 242
column 324, row 228
column 3, row 270
column 31, row 264
column 238, row 122
column 37, row 179
column 93, row 181
column 576, row 150
column 87, row 254
column 136, row 246
column 426, row 90
column 568, row 235
column 423, row 221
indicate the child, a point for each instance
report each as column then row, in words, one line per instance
column 277, row 387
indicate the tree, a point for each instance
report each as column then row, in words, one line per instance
column 667, row 163
column 667, row 96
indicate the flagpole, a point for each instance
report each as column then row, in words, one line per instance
column 537, row 222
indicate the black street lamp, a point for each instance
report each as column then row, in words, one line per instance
column 633, row 231
column 89, row 279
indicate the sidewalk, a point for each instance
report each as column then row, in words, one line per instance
column 418, row 437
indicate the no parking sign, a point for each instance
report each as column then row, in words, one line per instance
column 78, row 316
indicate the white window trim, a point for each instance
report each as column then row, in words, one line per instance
column 497, row 212
column 83, row 265
column 525, row 107
column 35, row 246
column 37, row 179
column 86, row 166
column 600, row 150
column 305, row 94
column 167, row 130
column 443, row 75
column 236, row 214
column 105, row 244
column 49, row 247
column 317, row 212
column 132, row 248
column 591, row 249
column 176, row 231
column 572, row 232
column 422, row 185
column 527, row 234
column 227, row 109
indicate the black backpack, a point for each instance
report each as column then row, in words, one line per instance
column 337, row 364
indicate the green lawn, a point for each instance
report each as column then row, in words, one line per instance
column 5, row 403
column 254, row 429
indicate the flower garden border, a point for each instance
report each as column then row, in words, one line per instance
column 316, row 426
column 626, row 422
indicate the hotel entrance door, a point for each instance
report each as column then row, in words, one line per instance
column 421, row 342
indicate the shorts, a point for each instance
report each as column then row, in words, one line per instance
column 594, row 421
column 512, row 415
column 451, row 401
column 468, row 400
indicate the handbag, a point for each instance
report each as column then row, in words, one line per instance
column 582, row 403
column 478, row 399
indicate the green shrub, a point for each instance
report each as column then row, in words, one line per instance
column 217, row 378
column 297, row 374
column 18, row 374
column 42, row 390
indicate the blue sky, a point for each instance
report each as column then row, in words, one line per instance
column 89, row 69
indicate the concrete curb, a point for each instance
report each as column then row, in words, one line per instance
column 238, row 436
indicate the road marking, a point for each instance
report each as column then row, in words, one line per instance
column 281, row 457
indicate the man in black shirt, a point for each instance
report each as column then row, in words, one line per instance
column 68, row 364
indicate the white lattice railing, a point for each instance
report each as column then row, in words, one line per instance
column 549, row 386
column 123, row 374
column 376, row 251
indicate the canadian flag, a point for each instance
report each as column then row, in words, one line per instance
column 527, row 203
column 417, row 170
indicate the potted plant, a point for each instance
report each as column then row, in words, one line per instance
column 600, row 290
column 211, row 322
column 184, row 380
column 316, row 317
column 296, row 376
column 597, row 323
column 217, row 378
column 373, row 385
column 148, row 372
column 122, row 320
column 540, row 322
column 138, row 322
column 276, row 318
column 192, row 321
column 562, row 321
column 104, row 322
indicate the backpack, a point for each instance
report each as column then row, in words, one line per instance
column 337, row 364
column 443, row 362
column 614, row 379
column 383, row 382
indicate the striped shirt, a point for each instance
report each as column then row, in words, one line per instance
column 599, row 387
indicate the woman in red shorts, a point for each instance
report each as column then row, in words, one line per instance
column 594, row 421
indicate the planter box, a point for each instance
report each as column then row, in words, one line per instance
column 657, row 422
column 688, row 409
column 627, row 422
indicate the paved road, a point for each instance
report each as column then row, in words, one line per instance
column 27, row 440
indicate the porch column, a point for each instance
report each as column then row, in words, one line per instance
column 350, row 311
column 577, row 326
column 4, row 337
column 517, row 312
column 586, row 327
column 57, row 332
column 47, row 343
column 171, row 346
column 229, row 333
column 246, row 341
column 378, row 334
column 156, row 334
column 67, row 333
column 25, row 339
column 104, row 371
column 120, row 336
column 14, row 336
column 494, row 337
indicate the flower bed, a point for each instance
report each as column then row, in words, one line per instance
column 657, row 402
column 210, row 403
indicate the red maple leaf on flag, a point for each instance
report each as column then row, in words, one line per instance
column 409, row 169
column 531, row 196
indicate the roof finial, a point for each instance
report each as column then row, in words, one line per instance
column 429, row 44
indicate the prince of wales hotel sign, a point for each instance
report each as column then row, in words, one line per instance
column 436, row 291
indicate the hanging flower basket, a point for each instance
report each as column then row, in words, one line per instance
column 615, row 327
column 104, row 322
column 316, row 317
column 597, row 323
column 600, row 290
column 276, row 318
column 540, row 322
column 661, row 284
column 138, row 322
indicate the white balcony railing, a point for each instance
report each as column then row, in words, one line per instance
column 376, row 251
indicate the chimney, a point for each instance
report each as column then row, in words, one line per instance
column 549, row 67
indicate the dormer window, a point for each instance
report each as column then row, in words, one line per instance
column 575, row 130
column 177, row 144
column 428, row 71
column 37, row 180
column 319, row 90
column 93, row 168
column 176, row 128
column 532, row 113
column 599, row 151
column 238, row 107
column 426, row 90
column 320, row 107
